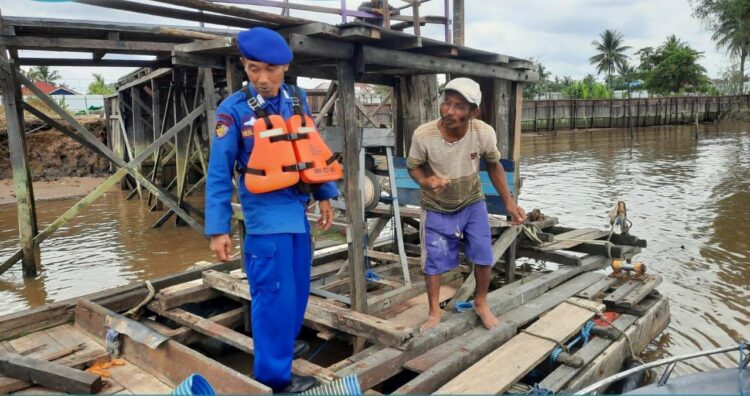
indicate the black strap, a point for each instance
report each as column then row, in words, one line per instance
column 299, row 108
column 289, row 137
column 333, row 158
column 252, row 171
column 297, row 167
column 255, row 106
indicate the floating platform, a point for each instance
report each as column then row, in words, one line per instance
column 559, row 330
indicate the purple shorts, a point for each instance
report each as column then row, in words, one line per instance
column 441, row 234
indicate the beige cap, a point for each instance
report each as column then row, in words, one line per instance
column 467, row 87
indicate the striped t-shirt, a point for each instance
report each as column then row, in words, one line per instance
column 457, row 162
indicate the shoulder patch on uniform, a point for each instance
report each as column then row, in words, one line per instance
column 221, row 129
column 225, row 117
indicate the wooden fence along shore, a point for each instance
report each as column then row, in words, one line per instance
column 551, row 115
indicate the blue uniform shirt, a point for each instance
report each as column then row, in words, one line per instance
column 276, row 212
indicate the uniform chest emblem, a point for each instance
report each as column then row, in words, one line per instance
column 473, row 156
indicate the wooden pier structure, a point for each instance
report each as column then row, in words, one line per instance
column 368, row 295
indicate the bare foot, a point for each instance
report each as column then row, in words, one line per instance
column 488, row 319
column 431, row 322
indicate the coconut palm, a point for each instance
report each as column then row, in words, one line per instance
column 732, row 33
column 44, row 74
column 628, row 74
column 610, row 53
column 99, row 86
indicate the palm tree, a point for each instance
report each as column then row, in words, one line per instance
column 733, row 34
column 99, row 86
column 628, row 74
column 610, row 53
column 44, row 74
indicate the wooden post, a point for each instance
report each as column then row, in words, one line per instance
column 27, row 225
column 593, row 109
column 209, row 95
column 458, row 22
column 573, row 115
column 354, row 211
column 234, row 75
column 417, row 103
column 536, row 109
column 611, row 104
column 554, row 129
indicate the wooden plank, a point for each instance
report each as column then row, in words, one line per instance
column 233, row 338
column 28, row 61
column 27, row 222
column 321, row 312
column 444, row 362
column 597, row 288
column 416, row 101
column 241, row 12
column 621, row 291
column 553, row 256
column 138, row 381
column 643, row 290
column 354, row 207
column 52, row 375
column 609, row 362
column 148, row 77
column 573, row 238
column 86, row 45
column 161, row 361
column 558, row 378
column 374, row 254
column 522, row 353
column 387, row 362
column 195, row 293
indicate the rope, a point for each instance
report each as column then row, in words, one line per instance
column 531, row 230
column 315, row 353
column 135, row 312
column 624, row 334
column 741, row 368
column 539, row 391
column 585, row 336
column 559, row 344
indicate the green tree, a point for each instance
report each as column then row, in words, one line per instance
column 730, row 22
column 99, row 86
column 610, row 53
column 628, row 74
column 532, row 90
column 672, row 68
column 43, row 74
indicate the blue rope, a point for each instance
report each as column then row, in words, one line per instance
column 320, row 348
column 742, row 369
column 585, row 336
column 539, row 391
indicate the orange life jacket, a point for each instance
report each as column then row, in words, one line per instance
column 285, row 152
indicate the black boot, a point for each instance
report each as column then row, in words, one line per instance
column 299, row 384
column 301, row 348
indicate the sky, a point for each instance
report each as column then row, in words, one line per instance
column 556, row 32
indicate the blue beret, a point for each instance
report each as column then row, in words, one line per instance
column 264, row 45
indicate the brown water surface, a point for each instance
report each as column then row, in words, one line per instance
column 689, row 198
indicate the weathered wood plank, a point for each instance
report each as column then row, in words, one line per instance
column 442, row 363
column 169, row 299
column 387, row 362
column 523, row 352
column 161, row 361
column 416, row 101
column 573, row 238
column 609, row 362
column 86, row 45
column 597, row 288
column 557, row 379
column 48, row 374
column 643, row 290
column 321, row 312
column 621, row 291
column 554, row 256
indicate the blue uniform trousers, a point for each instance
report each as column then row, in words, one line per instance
column 278, row 268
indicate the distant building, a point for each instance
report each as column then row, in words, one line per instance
column 49, row 89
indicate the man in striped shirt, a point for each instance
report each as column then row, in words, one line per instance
column 444, row 161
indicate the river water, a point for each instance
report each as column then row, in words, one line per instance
column 690, row 198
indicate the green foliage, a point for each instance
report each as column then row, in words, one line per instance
column 610, row 53
column 100, row 87
column 730, row 22
column 671, row 68
column 730, row 81
column 588, row 88
column 43, row 74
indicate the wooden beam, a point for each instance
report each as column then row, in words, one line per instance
column 175, row 13
column 555, row 256
column 85, row 45
column 165, row 71
column 171, row 362
column 208, row 45
column 417, row 103
column 48, row 374
column 86, row 62
column 27, row 222
column 354, row 209
column 241, row 12
column 458, row 22
column 234, row 74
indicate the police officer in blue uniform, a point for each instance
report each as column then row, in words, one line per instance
column 278, row 244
